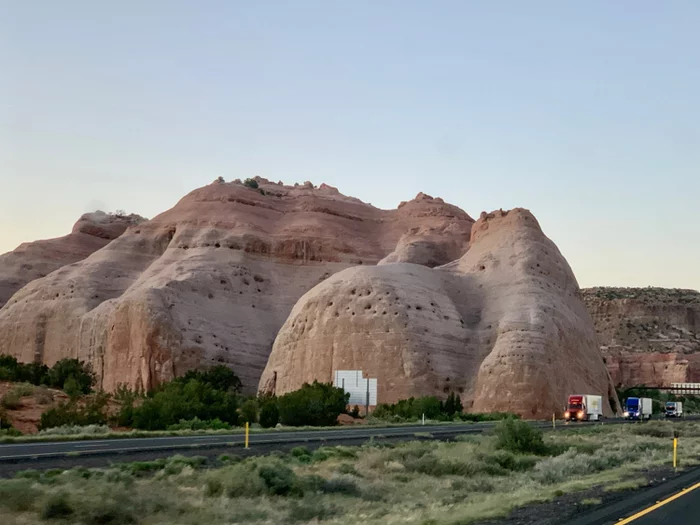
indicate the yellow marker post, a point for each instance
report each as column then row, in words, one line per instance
column 554, row 422
column 247, row 431
column 675, row 446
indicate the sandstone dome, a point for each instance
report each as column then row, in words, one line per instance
column 503, row 325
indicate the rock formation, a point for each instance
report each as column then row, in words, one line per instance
column 504, row 325
column 37, row 259
column 213, row 279
column 648, row 336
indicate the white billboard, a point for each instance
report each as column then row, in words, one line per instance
column 353, row 383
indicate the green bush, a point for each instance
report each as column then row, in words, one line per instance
column 510, row 461
column 57, row 506
column 278, row 478
column 219, row 377
column 13, row 370
column 18, row 495
column 412, row 409
column 198, row 424
column 11, row 400
column 488, row 416
column 71, row 387
column 433, row 466
column 181, row 399
column 72, row 414
column 43, row 395
column 79, row 371
column 269, row 412
column 308, row 509
column 341, row 485
column 249, row 411
column 453, row 405
column 318, row 404
column 75, row 430
column 519, row 437
column 251, row 183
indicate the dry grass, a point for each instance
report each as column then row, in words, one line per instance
column 418, row 482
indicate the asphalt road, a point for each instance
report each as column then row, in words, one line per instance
column 353, row 435
column 675, row 502
column 684, row 509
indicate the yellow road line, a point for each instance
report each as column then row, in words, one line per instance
column 657, row 505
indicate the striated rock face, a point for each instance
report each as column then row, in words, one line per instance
column 648, row 336
column 504, row 325
column 37, row 259
column 211, row 280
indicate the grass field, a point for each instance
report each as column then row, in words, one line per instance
column 421, row 482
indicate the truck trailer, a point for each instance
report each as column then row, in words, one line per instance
column 674, row 409
column 639, row 408
column 584, row 407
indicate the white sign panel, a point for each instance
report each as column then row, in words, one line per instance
column 352, row 382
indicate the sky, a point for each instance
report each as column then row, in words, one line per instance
column 587, row 113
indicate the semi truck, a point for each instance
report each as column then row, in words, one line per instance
column 674, row 409
column 638, row 408
column 584, row 407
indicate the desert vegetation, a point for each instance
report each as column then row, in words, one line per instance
column 426, row 482
column 199, row 400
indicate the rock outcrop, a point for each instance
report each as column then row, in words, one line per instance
column 34, row 260
column 648, row 336
column 504, row 326
column 211, row 280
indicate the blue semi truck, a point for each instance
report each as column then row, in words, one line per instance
column 638, row 408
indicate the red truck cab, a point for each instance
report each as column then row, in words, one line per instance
column 575, row 410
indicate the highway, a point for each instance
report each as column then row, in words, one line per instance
column 675, row 502
column 261, row 440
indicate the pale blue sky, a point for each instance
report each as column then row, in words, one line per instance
column 587, row 113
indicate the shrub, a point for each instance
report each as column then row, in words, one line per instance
column 18, row 494
column 318, row 404
column 71, row 414
column 12, row 370
column 308, row 509
column 278, row 478
column 80, row 372
column 572, row 463
column 186, row 399
column 433, row 466
column 56, row 507
column 659, row 429
column 269, row 413
column 341, row 485
column 11, row 400
column 123, row 393
column 510, row 461
column 43, row 395
column 249, row 411
column 302, row 454
column 519, row 437
column 251, row 183
column 488, row 416
column 71, row 387
column 24, row 389
column 412, row 409
column 453, row 405
column 219, row 377
column 76, row 430
column 355, row 412
column 198, row 424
